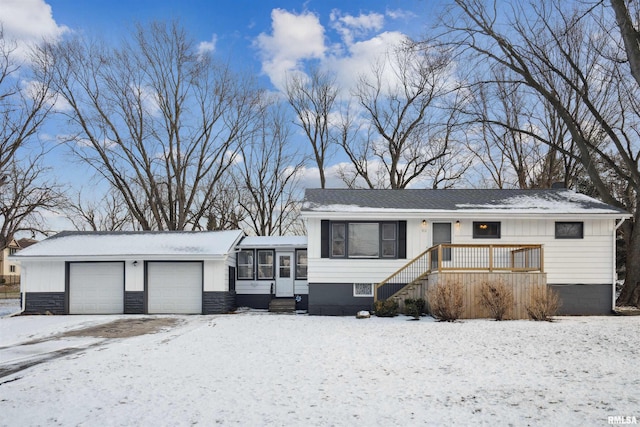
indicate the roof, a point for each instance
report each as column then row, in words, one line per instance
column 273, row 241
column 25, row 242
column 198, row 244
column 459, row 200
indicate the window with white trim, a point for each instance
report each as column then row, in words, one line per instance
column 338, row 239
column 244, row 263
column 363, row 289
column 12, row 268
column 265, row 264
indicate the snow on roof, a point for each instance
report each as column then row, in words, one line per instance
column 558, row 201
column 168, row 243
column 273, row 241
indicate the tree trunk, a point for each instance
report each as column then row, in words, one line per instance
column 630, row 294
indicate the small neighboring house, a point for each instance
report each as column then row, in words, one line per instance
column 271, row 269
column 366, row 245
column 130, row 272
column 10, row 269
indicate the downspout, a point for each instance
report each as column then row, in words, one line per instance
column 614, row 272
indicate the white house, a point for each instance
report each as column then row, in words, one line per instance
column 130, row 272
column 358, row 238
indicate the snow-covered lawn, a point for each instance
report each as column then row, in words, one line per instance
column 259, row 369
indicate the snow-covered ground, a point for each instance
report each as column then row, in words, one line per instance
column 9, row 306
column 260, row 369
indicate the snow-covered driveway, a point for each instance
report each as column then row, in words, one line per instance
column 259, row 369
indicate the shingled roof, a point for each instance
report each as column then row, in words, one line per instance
column 470, row 200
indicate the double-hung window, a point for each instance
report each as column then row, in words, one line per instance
column 265, row 264
column 245, row 264
column 301, row 264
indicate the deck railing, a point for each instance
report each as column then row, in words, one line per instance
column 499, row 257
column 455, row 257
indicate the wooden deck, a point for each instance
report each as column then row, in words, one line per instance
column 521, row 267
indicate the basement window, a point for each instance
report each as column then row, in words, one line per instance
column 486, row 230
column 363, row 289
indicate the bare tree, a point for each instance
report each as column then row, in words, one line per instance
column 155, row 118
column 107, row 214
column 27, row 191
column 560, row 49
column 408, row 101
column 269, row 176
column 313, row 98
column 507, row 115
column 24, row 192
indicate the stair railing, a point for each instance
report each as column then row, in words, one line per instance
column 414, row 270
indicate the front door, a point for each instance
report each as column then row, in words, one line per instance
column 441, row 234
column 284, row 274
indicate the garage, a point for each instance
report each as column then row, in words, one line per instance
column 174, row 287
column 96, row 287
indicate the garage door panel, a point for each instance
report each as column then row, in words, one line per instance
column 174, row 287
column 96, row 288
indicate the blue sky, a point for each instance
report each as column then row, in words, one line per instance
column 266, row 38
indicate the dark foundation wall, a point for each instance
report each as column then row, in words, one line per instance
column 44, row 303
column 260, row 301
column 218, row 302
column 584, row 300
column 134, row 302
column 336, row 299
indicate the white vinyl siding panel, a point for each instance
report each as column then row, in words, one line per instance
column 96, row 288
column 583, row 261
column 174, row 287
column 42, row 276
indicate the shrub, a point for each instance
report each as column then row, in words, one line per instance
column 414, row 307
column 446, row 301
column 386, row 308
column 497, row 298
column 544, row 304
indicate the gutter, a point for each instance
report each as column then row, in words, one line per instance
column 614, row 274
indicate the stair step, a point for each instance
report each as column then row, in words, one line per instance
column 282, row 305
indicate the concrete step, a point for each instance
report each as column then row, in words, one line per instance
column 282, row 305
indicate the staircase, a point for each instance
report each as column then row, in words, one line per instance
column 406, row 282
column 282, row 305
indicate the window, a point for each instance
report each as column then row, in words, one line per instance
column 245, row 264
column 338, row 239
column 265, row 264
column 364, row 240
column 12, row 268
column 486, row 230
column 389, row 239
column 12, row 251
column 569, row 230
column 284, row 266
column 301, row 264
column 363, row 289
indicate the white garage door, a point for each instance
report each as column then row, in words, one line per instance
column 174, row 287
column 96, row 288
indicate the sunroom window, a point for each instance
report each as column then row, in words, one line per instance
column 301, row 264
column 245, row 264
column 265, row 264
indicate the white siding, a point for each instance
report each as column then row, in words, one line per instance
column 43, row 276
column 215, row 276
column 134, row 276
column 588, row 260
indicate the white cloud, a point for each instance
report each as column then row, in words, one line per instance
column 206, row 47
column 361, row 56
column 294, row 37
column 28, row 22
column 350, row 27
